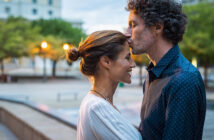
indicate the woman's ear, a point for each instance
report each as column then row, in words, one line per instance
column 105, row 62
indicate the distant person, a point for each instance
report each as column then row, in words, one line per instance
column 105, row 59
column 174, row 102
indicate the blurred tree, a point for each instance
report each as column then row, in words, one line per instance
column 60, row 28
column 198, row 40
column 15, row 36
column 56, row 51
column 140, row 60
column 56, row 32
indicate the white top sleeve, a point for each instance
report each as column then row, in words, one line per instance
column 108, row 124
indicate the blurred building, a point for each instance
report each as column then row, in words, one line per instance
column 75, row 23
column 33, row 10
column 30, row 9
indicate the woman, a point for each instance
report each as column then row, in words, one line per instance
column 106, row 61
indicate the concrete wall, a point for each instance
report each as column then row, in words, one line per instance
column 27, row 121
column 21, row 129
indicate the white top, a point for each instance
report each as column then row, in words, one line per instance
column 99, row 120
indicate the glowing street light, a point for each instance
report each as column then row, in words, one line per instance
column 44, row 46
column 65, row 47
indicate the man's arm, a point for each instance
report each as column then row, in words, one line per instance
column 183, row 109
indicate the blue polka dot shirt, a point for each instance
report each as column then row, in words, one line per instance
column 174, row 101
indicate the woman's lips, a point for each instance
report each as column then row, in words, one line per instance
column 130, row 73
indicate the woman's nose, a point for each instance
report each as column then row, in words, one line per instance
column 133, row 64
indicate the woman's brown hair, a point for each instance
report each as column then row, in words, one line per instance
column 101, row 43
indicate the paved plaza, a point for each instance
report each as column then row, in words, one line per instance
column 65, row 96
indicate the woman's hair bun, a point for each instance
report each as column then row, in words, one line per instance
column 73, row 54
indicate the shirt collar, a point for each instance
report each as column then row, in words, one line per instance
column 164, row 62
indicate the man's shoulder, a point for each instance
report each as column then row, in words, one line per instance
column 185, row 72
column 186, row 77
column 186, row 85
column 185, row 65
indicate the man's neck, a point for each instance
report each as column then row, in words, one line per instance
column 158, row 51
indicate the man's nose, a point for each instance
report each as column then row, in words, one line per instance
column 128, row 32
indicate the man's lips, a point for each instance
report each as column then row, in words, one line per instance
column 130, row 42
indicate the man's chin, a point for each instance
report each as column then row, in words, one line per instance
column 135, row 52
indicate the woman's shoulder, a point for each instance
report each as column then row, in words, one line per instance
column 92, row 100
column 93, row 103
column 98, row 103
column 105, row 120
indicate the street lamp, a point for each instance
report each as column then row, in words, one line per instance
column 66, row 47
column 44, row 46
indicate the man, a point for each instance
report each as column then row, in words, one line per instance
column 174, row 102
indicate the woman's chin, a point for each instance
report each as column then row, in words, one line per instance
column 128, row 81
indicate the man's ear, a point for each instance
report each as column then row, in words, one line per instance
column 157, row 29
column 105, row 62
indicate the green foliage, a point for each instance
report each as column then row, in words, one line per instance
column 56, row 32
column 55, row 52
column 15, row 36
column 198, row 40
column 61, row 29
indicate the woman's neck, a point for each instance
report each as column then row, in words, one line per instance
column 105, row 87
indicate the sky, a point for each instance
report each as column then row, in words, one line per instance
column 97, row 14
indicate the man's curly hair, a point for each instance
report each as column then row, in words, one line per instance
column 166, row 12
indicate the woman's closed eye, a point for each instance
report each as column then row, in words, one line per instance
column 128, row 57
